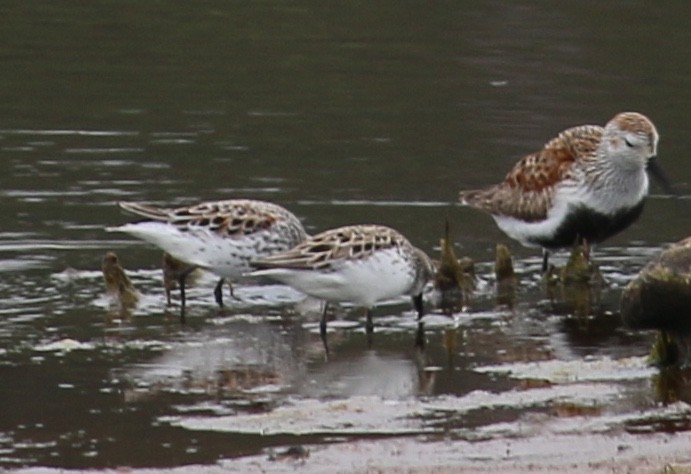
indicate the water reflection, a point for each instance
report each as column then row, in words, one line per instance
column 368, row 373
column 234, row 359
column 345, row 114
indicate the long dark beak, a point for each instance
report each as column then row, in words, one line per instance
column 660, row 176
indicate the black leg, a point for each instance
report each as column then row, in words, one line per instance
column 419, row 307
column 232, row 294
column 181, row 283
column 322, row 329
column 218, row 292
column 369, row 325
column 420, row 336
column 182, row 278
column 545, row 260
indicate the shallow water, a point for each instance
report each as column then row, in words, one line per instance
column 344, row 114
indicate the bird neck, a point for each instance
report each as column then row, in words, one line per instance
column 617, row 182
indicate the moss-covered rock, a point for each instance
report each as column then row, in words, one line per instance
column 660, row 296
column 665, row 350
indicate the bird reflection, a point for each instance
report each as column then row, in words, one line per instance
column 366, row 373
column 230, row 360
column 420, row 341
column 325, row 336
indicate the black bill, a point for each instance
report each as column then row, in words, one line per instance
column 660, row 176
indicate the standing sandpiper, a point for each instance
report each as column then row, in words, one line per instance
column 360, row 264
column 584, row 186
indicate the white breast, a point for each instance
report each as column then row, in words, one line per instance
column 383, row 275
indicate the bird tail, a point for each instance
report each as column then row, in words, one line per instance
column 471, row 198
column 150, row 212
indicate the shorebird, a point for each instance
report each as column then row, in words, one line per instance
column 221, row 236
column 360, row 264
column 584, row 186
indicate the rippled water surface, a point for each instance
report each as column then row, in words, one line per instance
column 344, row 113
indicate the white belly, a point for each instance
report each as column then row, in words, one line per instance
column 363, row 282
column 225, row 256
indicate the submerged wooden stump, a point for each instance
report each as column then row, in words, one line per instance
column 503, row 263
column 505, row 276
column 578, row 269
column 118, row 285
column 455, row 278
column 577, row 285
column 172, row 269
column 660, row 298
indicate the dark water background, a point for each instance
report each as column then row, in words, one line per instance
column 351, row 112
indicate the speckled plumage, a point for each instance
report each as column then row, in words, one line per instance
column 334, row 246
column 360, row 264
column 234, row 218
column 587, row 183
column 221, row 236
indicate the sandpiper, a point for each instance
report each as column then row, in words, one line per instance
column 584, row 186
column 359, row 264
column 221, row 236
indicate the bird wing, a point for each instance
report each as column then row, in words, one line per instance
column 231, row 218
column 528, row 189
column 332, row 246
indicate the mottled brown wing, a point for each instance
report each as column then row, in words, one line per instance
column 528, row 189
column 344, row 243
column 230, row 218
column 540, row 170
column 363, row 240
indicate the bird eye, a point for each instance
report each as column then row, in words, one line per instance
column 628, row 143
